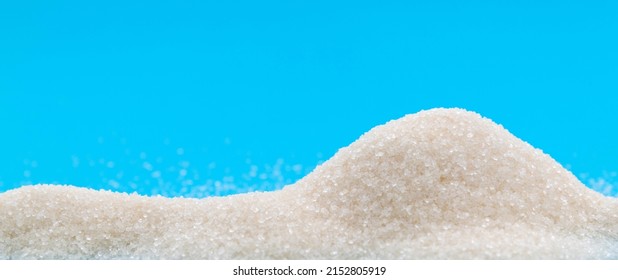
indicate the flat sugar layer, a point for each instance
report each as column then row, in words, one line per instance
column 443, row 183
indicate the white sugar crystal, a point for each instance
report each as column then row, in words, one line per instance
column 147, row 166
column 443, row 183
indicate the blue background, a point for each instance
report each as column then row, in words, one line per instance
column 217, row 97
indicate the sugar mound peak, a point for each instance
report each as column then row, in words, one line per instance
column 442, row 183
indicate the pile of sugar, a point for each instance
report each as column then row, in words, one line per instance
column 443, row 183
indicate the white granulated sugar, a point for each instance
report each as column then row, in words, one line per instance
column 443, row 183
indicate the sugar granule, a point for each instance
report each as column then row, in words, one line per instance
column 439, row 184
